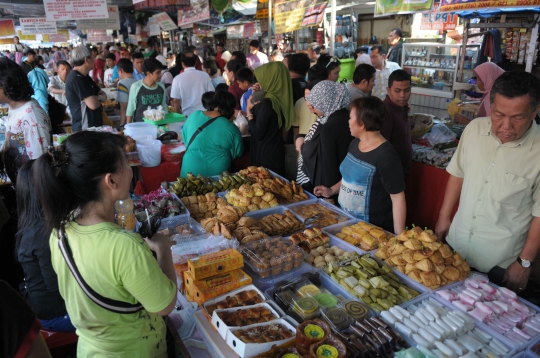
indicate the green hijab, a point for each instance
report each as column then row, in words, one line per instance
column 275, row 79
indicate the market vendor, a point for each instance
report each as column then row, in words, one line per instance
column 486, row 74
column 495, row 174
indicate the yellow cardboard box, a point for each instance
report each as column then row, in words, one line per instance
column 217, row 263
column 201, row 291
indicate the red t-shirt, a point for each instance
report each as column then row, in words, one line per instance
column 237, row 92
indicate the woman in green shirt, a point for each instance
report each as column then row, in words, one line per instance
column 212, row 150
column 120, row 316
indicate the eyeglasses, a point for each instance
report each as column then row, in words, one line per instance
column 333, row 59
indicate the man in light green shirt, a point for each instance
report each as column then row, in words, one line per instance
column 495, row 174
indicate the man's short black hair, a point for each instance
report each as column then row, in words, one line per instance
column 225, row 102
column 381, row 50
column 94, row 49
column 220, row 44
column 299, row 63
column 222, row 87
column 370, row 111
column 125, row 65
column 398, row 76
column 234, row 65
column 361, row 50
column 398, row 32
column 189, row 59
column 239, row 55
column 317, row 72
column 363, row 72
column 191, row 48
column 207, row 100
column 63, row 63
column 513, row 84
column 136, row 55
column 30, row 52
column 150, row 65
column 254, row 43
column 244, row 74
column 111, row 56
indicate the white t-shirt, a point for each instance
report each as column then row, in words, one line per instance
column 188, row 87
column 108, row 77
column 381, row 79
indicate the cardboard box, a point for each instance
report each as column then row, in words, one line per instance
column 210, row 287
column 214, row 264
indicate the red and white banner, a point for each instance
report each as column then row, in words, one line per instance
column 95, row 36
column 111, row 23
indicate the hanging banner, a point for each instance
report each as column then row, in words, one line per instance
column 96, row 36
column 235, row 32
column 392, row 7
column 434, row 20
column 199, row 11
column 61, row 36
column 60, row 10
column 111, row 23
column 454, row 5
column 39, row 25
column 25, row 37
column 249, row 30
column 289, row 14
column 202, row 30
column 7, row 29
column 165, row 21
column 314, row 16
column 162, row 5
column 153, row 27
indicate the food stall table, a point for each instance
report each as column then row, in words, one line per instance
column 424, row 194
column 153, row 177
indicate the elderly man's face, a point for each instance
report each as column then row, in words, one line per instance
column 511, row 117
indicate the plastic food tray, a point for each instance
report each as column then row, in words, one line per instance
column 265, row 283
column 345, row 217
column 525, row 302
column 275, row 175
column 281, row 261
column 230, row 293
column 481, row 326
column 530, row 353
column 198, row 230
column 526, row 354
column 336, row 229
column 223, row 329
column 169, row 118
column 185, row 215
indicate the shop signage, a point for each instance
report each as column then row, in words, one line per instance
column 7, row 28
column 162, row 5
column 61, row 36
column 111, row 23
column 314, row 16
column 60, row 10
column 199, row 11
column 262, row 9
column 455, row 5
column 202, row 30
column 391, row 7
column 25, row 37
column 235, row 31
column 96, row 36
column 153, row 27
column 165, row 21
column 434, row 20
column 289, row 14
column 37, row 25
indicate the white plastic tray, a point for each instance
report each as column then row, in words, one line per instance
column 232, row 293
column 481, row 326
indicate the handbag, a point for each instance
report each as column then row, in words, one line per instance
column 109, row 304
column 200, row 129
column 311, row 152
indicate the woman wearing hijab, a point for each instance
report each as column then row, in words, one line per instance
column 486, row 74
column 326, row 144
column 270, row 117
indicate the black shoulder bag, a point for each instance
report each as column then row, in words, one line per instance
column 104, row 302
column 200, row 129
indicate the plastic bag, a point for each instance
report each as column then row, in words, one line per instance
column 149, row 153
column 440, row 133
column 167, row 155
column 157, row 114
column 186, row 250
column 242, row 123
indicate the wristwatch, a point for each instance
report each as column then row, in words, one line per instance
column 524, row 263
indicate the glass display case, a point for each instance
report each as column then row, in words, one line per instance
column 433, row 67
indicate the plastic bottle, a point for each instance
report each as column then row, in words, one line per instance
column 125, row 218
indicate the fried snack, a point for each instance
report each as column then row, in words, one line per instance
column 263, row 334
column 310, row 238
column 328, row 217
column 242, row 298
column 281, row 224
column 246, row 317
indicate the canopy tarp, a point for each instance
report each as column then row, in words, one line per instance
column 487, row 13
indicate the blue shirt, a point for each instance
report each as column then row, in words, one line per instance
column 244, row 99
column 138, row 76
column 115, row 74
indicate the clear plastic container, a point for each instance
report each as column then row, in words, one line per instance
column 125, row 218
column 270, row 257
column 331, row 214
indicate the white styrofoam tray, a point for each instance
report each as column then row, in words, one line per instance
column 232, row 293
column 213, row 340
